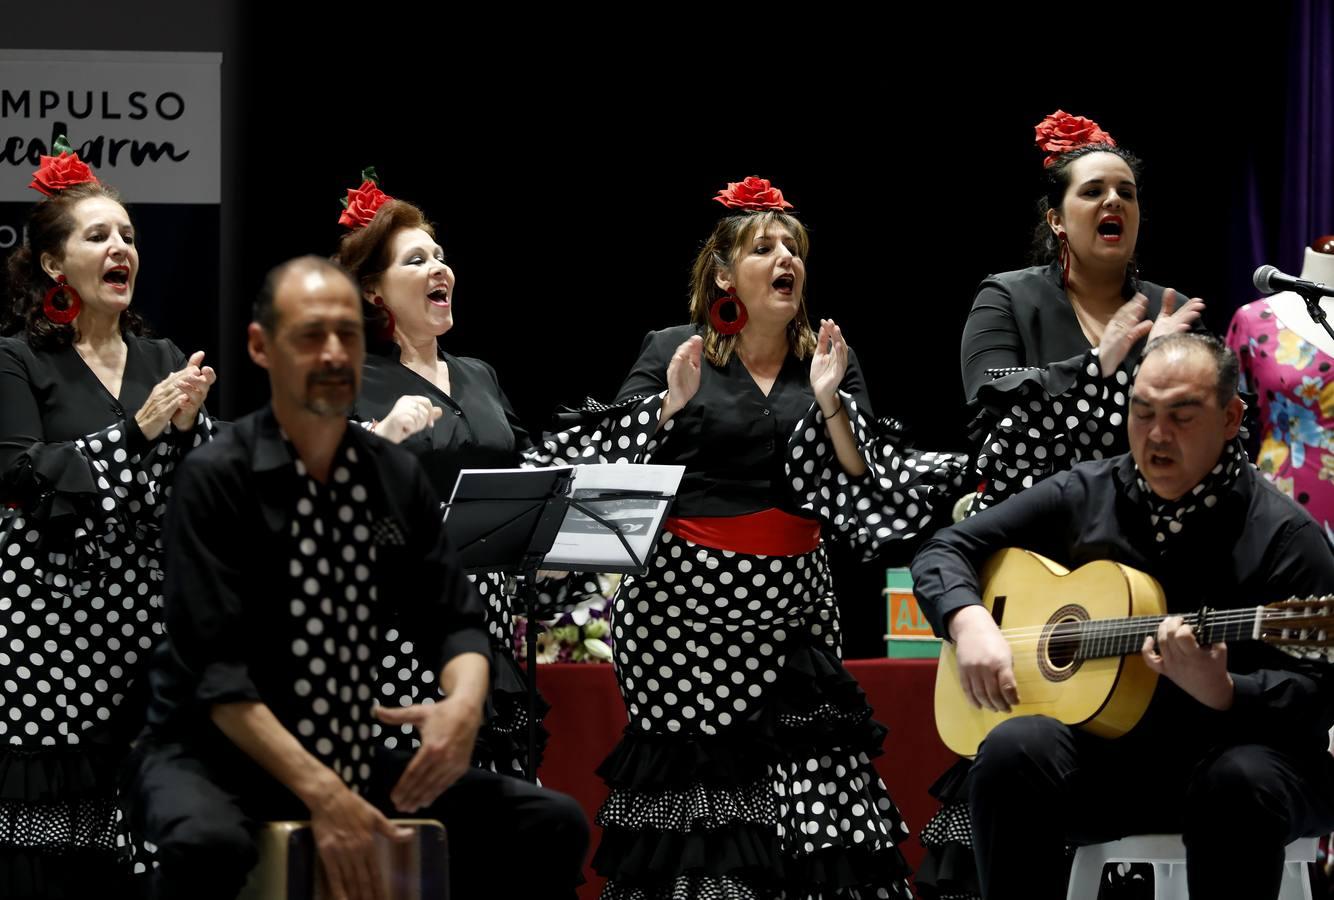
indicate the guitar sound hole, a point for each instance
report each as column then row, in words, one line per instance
column 1063, row 644
column 1059, row 645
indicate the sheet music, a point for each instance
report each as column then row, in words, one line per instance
column 585, row 543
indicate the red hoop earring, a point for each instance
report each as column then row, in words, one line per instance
column 739, row 316
column 62, row 315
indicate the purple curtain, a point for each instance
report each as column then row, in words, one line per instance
column 1290, row 197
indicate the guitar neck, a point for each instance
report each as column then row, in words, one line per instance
column 1097, row 638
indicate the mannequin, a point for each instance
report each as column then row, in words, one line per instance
column 1318, row 266
column 1287, row 360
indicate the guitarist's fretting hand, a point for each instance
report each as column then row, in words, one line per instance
column 986, row 665
column 1199, row 671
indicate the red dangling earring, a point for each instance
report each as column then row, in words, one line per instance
column 724, row 326
column 386, row 332
column 1063, row 257
column 62, row 315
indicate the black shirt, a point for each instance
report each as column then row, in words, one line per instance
column 237, row 567
column 479, row 428
column 1254, row 547
column 731, row 438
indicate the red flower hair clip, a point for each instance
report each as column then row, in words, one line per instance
column 361, row 204
column 752, row 194
column 64, row 170
column 1061, row 132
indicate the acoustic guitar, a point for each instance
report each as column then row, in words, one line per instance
column 1076, row 638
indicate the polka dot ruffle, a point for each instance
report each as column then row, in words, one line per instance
column 895, row 500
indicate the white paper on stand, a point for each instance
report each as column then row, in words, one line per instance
column 585, row 544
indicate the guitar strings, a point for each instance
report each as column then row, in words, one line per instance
column 1075, row 632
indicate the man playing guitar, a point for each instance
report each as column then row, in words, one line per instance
column 1231, row 751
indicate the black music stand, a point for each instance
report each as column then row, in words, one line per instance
column 508, row 520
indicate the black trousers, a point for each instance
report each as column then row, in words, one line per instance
column 1038, row 785
column 507, row 838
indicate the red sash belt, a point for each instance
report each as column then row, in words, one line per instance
column 769, row 532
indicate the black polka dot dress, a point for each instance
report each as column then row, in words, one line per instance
column 1036, row 434
column 80, row 605
column 745, row 769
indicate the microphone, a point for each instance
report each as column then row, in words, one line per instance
column 1269, row 280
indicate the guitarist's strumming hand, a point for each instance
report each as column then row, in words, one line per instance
column 1199, row 671
column 986, row 665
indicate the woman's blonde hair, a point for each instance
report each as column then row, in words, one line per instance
column 719, row 253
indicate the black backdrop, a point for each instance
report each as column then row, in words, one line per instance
column 569, row 160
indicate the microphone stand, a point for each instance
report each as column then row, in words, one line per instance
column 1312, row 297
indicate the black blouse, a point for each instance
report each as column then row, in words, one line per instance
column 49, row 398
column 731, row 438
column 1024, row 318
column 479, row 428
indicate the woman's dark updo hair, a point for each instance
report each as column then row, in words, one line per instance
column 49, row 226
column 1056, row 182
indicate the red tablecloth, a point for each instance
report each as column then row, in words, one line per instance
column 587, row 718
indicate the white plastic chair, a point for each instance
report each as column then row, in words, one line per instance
column 1167, row 855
